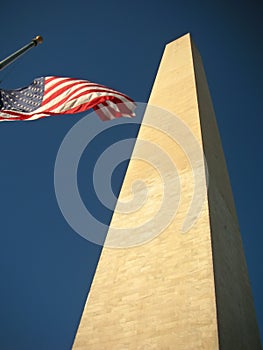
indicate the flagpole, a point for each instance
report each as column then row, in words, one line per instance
column 34, row 42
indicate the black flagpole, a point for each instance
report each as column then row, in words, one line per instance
column 34, row 42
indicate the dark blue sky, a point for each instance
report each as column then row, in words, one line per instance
column 46, row 268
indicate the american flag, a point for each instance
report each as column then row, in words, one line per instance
column 52, row 95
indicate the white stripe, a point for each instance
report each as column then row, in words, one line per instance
column 129, row 104
column 36, row 116
column 49, row 85
column 70, row 90
column 84, row 99
column 54, row 81
column 88, row 84
column 113, row 105
column 106, row 111
column 55, row 89
column 87, row 97
column 74, row 102
column 8, row 117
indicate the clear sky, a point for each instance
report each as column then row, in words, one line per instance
column 46, row 268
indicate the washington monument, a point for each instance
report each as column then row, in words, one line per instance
column 187, row 288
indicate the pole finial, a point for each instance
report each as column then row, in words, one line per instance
column 38, row 40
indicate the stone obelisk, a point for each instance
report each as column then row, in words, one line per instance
column 178, row 291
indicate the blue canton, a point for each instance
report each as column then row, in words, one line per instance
column 26, row 99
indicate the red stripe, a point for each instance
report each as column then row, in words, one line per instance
column 121, row 105
column 84, row 106
column 48, row 79
column 77, row 82
column 80, row 108
column 115, row 114
column 83, row 93
column 91, row 104
column 59, row 82
column 100, row 113
column 68, row 87
column 57, row 93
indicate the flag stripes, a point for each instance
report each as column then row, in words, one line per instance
column 62, row 95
